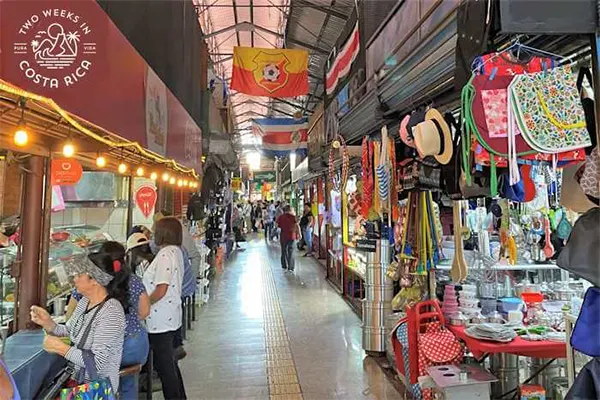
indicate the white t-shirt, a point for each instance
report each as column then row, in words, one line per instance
column 166, row 268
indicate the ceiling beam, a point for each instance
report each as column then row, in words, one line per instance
column 235, row 19
column 220, row 31
column 252, row 22
column 222, row 60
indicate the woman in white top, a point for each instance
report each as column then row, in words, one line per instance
column 163, row 279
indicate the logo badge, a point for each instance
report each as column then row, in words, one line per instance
column 271, row 72
column 56, row 48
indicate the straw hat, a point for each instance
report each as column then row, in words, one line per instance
column 433, row 137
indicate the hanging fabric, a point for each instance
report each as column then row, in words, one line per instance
column 367, row 176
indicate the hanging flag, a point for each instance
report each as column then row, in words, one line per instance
column 343, row 61
column 270, row 72
column 281, row 136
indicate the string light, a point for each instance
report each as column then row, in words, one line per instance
column 165, row 177
column 21, row 136
column 172, row 180
column 100, row 161
column 179, row 183
column 122, row 168
column 68, row 150
column 154, row 176
column 139, row 171
column 25, row 95
column 186, row 183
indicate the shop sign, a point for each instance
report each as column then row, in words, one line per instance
column 236, row 184
column 65, row 171
column 55, row 47
column 367, row 245
column 264, row 176
column 145, row 199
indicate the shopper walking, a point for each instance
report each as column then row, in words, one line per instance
column 267, row 218
column 289, row 233
column 163, row 280
column 306, row 225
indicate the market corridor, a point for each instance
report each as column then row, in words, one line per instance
column 269, row 334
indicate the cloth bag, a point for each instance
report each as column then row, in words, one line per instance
column 580, row 256
column 548, row 110
column 588, row 324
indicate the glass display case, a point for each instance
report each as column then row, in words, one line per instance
column 65, row 242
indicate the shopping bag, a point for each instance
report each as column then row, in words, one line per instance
column 96, row 390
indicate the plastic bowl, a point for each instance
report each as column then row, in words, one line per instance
column 467, row 295
column 470, row 303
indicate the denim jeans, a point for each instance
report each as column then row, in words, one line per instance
column 135, row 351
column 307, row 234
column 287, row 255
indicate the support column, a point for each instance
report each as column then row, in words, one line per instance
column 129, row 205
column 28, row 274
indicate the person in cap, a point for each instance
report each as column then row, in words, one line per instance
column 163, row 279
column 97, row 327
column 139, row 254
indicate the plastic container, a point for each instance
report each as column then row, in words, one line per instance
column 469, row 288
column 470, row 303
column 470, row 311
column 488, row 305
column 467, row 295
column 532, row 297
column 507, row 304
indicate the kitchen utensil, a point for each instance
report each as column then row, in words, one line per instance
column 488, row 305
column 467, row 295
column 495, row 318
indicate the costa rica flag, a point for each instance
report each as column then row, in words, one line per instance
column 281, row 136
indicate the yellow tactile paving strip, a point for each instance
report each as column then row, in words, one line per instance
column 281, row 370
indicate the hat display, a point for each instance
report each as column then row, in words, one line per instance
column 433, row 137
column 136, row 239
column 416, row 117
column 405, row 136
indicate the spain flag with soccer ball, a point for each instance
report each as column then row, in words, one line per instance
column 270, row 72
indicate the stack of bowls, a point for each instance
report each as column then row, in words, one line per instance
column 468, row 300
column 450, row 305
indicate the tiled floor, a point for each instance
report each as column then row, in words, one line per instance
column 268, row 334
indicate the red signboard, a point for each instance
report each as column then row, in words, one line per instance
column 65, row 171
column 71, row 51
column 145, row 199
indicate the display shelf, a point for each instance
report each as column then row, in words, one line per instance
column 517, row 267
column 357, row 271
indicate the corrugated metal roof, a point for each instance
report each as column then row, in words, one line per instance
column 316, row 23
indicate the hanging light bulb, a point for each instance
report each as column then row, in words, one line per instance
column 172, row 180
column 122, row 168
column 68, row 150
column 165, row 177
column 100, row 161
column 180, row 183
column 186, row 183
column 21, row 136
column 154, row 176
column 139, row 171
